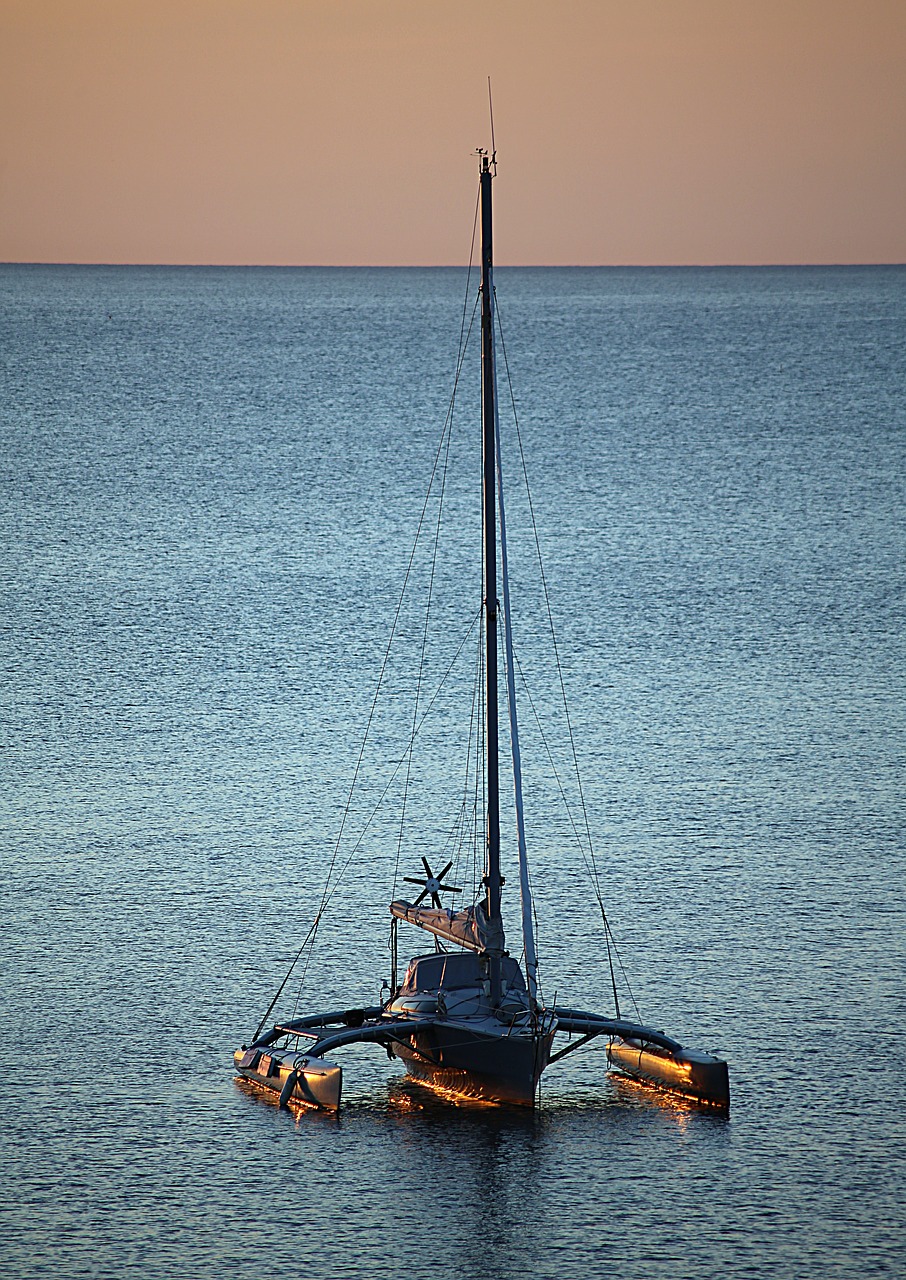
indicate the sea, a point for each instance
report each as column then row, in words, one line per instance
column 212, row 481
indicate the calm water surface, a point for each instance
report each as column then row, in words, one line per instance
column 210, row 485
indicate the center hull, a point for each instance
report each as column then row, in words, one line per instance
column 490, row 1067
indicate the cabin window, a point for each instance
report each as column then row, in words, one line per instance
column 443, row 972
column 448, row 972
column 511, row 975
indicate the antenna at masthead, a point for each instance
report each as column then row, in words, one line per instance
column 493, row 143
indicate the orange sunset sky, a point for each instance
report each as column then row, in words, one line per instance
column 342, row 131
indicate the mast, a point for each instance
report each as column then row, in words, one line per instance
column 489, row 525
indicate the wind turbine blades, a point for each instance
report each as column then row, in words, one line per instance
column 440, row 875
column 427, row 867
column 423, row 894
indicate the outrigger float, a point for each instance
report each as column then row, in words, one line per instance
column 467, row 1017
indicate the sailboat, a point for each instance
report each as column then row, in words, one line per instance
column 467, row 1017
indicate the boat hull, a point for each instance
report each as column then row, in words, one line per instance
column 490, row 1067
column 292, row 1077
column 686, row 1071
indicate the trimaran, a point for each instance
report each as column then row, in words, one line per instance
column 467, row 1017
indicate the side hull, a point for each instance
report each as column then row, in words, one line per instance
column 686, row 1071
column 292, row 1077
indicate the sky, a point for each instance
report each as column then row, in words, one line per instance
column 343, row 132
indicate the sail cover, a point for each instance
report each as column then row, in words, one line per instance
column 469, row 928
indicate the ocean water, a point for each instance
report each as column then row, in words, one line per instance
column 211, row 481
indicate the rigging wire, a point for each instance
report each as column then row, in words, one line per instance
column 329, row 896
column 308, row 937
column 408, row 748
column 421, row 663
column 609, row 939
column 329, row 890
column 467, row 818
column 439, row 469
column 539, row 994
column 448, row 435
column 590, row 860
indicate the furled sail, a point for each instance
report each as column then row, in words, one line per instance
column 525, row 890
column 468, row 928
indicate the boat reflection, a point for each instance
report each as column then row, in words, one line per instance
column 403, row 1096
column 406, row 1094
column 632, row 1093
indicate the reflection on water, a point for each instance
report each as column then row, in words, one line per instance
column 405, row 1096
column 632, row 1093
column 411, row 1094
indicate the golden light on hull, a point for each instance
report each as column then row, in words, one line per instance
column 291, row 1078
column 687, row 1072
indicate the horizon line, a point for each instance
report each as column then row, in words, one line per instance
column 455, row 266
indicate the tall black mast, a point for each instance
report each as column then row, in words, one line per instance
column 489, row 521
